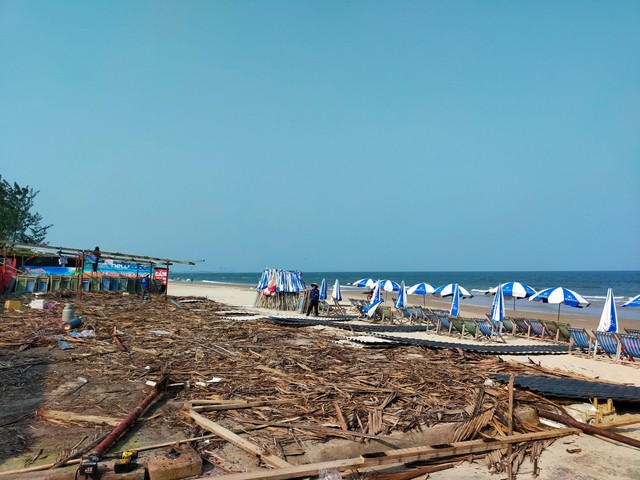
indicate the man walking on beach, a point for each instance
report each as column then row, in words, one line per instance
column 314, row 298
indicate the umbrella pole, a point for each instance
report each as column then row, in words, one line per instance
column 514, row 304
column 424, row 301
column 559, row 312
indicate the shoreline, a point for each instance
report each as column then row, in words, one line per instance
column 244, row 296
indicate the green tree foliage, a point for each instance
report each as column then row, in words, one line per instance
column 17, row 222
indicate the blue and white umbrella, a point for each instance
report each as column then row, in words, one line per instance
column 634, row 302
column 389, row 286
column 513, row 290
column 609, row 317
column 497, row 307
column 401, row 301
column 337, row 296
column 423, row 289
column 364, row 282
column 323, row 290
column 455, row 302
column 447, row 291
column 560, row 295
column 375, row 301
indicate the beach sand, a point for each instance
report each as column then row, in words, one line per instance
column 597, row 458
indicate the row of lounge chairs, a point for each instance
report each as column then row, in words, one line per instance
column 619, row 346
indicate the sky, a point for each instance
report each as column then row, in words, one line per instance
column 330, row 135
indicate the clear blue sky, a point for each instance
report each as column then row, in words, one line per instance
column 330, row 135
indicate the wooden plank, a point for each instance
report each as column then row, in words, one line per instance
column 76, row 417
column 406, row 455
column 238, row 441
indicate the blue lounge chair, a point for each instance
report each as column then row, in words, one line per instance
column 630, row 345
column 522, row 326
column 488, row 329
column 539, row 329
column 444, row 322
column 633, row 331
column 581, row 339
column 608, row 343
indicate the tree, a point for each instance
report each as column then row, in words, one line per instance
column 17, row 222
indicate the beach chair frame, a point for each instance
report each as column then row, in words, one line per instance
column 581, row 338
column 608, row 343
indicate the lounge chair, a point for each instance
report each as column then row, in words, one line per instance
column 488, row 329
column 539, row 329
column 630, row 345
column 563, row 334
column 581, row 339
column 444, row 322
column 608, row 343
column 522, row 326
column 633, row 331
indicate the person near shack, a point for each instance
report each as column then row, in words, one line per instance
column 145, row 282
column 314, row 299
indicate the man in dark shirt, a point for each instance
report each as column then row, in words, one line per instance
column 314, row 299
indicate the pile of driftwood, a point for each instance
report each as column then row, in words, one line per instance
column 289, row 389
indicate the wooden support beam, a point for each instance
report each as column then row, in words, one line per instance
column 405, row 455
column 238, row 441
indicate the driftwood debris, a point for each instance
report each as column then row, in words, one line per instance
column 289, row 389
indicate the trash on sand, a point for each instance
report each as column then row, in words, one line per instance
column 62, row 344
column 37, row 303
column 73, row 323
column 83, row 334
column 208, row 383
column 159, row 332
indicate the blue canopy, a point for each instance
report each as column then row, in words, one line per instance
column 634, row 302
column 609, row 317
column 323, row 290
column 401, row 301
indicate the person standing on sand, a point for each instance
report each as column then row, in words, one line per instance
column 145, row 282
column 314, row 299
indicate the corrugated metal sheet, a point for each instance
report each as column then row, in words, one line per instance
column 573, row 388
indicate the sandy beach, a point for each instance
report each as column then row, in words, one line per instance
column 589, row 461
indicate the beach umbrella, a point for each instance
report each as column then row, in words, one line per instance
column 423, row 289
column 455, row 301
column 323, row 290
column 447, row 291
column 497, row 307
column 634, row 302
column 513, row 290
column 364, row 282
column 375, row 301
column 401, row 301
column 337, row 296
column 560, row 295
column 609, row 317
column 389, row 286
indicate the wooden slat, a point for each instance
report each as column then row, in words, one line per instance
column 238, row 441
column 403, row 455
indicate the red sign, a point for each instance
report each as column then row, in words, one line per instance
column 160, row 274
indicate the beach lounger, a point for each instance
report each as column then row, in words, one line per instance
column 539, row 329
column 608, row 343
column 488, row 329
column 444, row 323
column 632, row 331
column 522, row 326
column 581, row 339
column 630, row 345
column 563, row 334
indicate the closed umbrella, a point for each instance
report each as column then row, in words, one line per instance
column 497, row 307
column 323, row 290
column 634, row 302
column 375, row 301
column 609, row 317
column 560, row 295
column 401, row 301
column 455, row 302
column 423, row 289
column 337, row 296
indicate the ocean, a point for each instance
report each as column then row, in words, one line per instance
column 591, row 285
